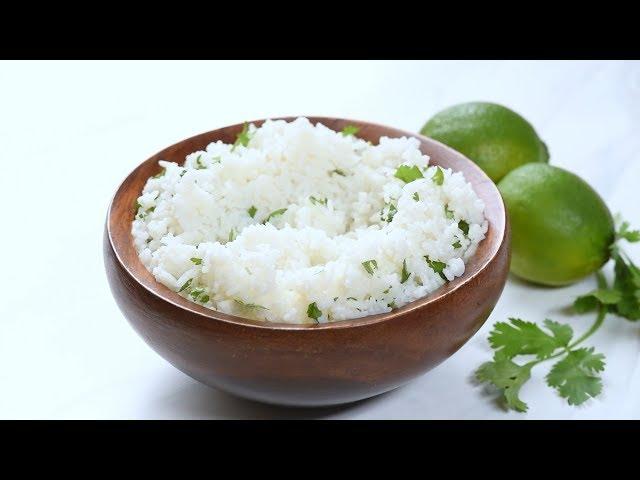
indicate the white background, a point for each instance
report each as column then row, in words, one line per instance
column 71, row 131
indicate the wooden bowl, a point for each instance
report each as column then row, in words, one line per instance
column 306, row 365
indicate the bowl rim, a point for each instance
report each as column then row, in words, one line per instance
column 436, row 296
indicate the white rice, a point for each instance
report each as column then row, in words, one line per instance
column 194, row 232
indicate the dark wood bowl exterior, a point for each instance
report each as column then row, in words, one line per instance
column 306, row 365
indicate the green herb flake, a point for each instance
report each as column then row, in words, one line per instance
column 352, row 298
column 233, row 233
column 217, row 159
column 438, row 176
column 204, row 298
column 335, row 299
column 337, row 171
column 388, row 212
column 196, row 260
column 316, row 201
column 161, row 173
column 243, row 137
column 249, row 305
column 392, row 305
column 370, row 266
column 408, row 174
column 196, row 292
column 405, row 273
column 448, row 213
column 182, row 173
column 464, row 226
column 273, row 214
column 416, row 197
column 185, row 285
column 456, row 244
column 252, row 211
column 314, row 312
column 436, row 266
column 349, row 130
column 199, row 164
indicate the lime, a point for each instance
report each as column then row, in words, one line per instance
column 561, row 228
column 496, row 138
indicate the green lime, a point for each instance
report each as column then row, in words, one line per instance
column 495, row 138
column 561, row 228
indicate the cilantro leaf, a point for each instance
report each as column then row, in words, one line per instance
column 161, row 173
column 438, row 176
column 370, row 266
column 275, row 213
column 199, row 164
column 629, row 235
column 416, row 197
column 627, row 283
column 252, row 211
column 248, row 305
column 405, row 273
column 448, row 213
column 437, row 266
column 590, row 301
column 456, row 244
column 527, row 338
column 204, row 298
column 185, row 285
column 507, row 376
column 408, row 174
column 197, row 261
column 388, row 212
column 318, row 201
column 337, row 171
column 314, row 312
column 196, row 292
column 233, row 233
column 349, row 130
column 243, row 137
column 575, row 376
column 464, row 226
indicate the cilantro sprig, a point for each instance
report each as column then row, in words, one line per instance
column 243, row 137
column 576, row 374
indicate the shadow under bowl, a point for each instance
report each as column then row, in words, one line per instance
column 307, row 365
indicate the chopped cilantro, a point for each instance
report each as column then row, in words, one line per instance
column 196, row 292
column 464, row 226
column 370, row 266
column 199, row 164
column 248, row 305
column 252, row 211
column 232, row 234
column 161, row 173
column 337, row 171
column 388, row 212
column 196, row 260
column 204, row 298
column 438, row 176
column 316, row 201
column 275, row 213
column 448, row 213
column 349, row 130
column 436, row 266
column 456, row 244
column 243, row 137
column 408, row 174
column 416, row 197
column 314, row 312
column 392, row 305
column 352, row 298
column 185, row 285
column 405, row 273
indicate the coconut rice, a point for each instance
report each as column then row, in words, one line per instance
column 297, row 223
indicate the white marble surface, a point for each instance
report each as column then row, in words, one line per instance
column 71, row 131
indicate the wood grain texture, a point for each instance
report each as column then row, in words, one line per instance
column 306, row 365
